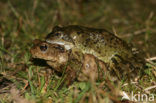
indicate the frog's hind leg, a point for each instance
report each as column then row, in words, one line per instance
column 123, row 69
column 135, row 66
column 70, row 76
column 72, row 70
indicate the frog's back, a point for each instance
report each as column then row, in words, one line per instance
column 99, row 42
column 124, row 62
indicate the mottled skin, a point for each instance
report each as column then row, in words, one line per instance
column 100, row 43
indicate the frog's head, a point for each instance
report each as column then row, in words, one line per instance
column 49, row 52
column 63, row 36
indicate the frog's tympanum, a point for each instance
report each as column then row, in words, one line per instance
column 98, row 45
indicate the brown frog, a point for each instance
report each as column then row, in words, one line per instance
column 58, row 58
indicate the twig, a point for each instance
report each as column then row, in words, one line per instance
column 13, row 10
column 130, row 83
column 138, row 32
column 149, row 88
column 114, row 31
column 135, row 33
column 151, row 59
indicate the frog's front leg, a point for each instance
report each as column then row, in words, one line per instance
column 103, row 71
column 70, row 76
column 69, row 71
column 77, row 54
column 72, row 70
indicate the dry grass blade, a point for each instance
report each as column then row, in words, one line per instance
column 17, row 98
column 149, row 88
column 151, row 59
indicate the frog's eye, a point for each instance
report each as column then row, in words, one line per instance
column 43, row 47
column 57, row 34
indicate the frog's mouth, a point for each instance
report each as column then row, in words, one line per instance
column 39, row 62
column 67, row 45
column 34, row 57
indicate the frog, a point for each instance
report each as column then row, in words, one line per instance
column 122, row 61
column 58, row 58
column 44, row 50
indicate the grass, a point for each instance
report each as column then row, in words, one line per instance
column 22, row 21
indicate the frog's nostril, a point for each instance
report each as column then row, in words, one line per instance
column 43, row 47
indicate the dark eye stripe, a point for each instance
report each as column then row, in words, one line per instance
column 52, row 34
